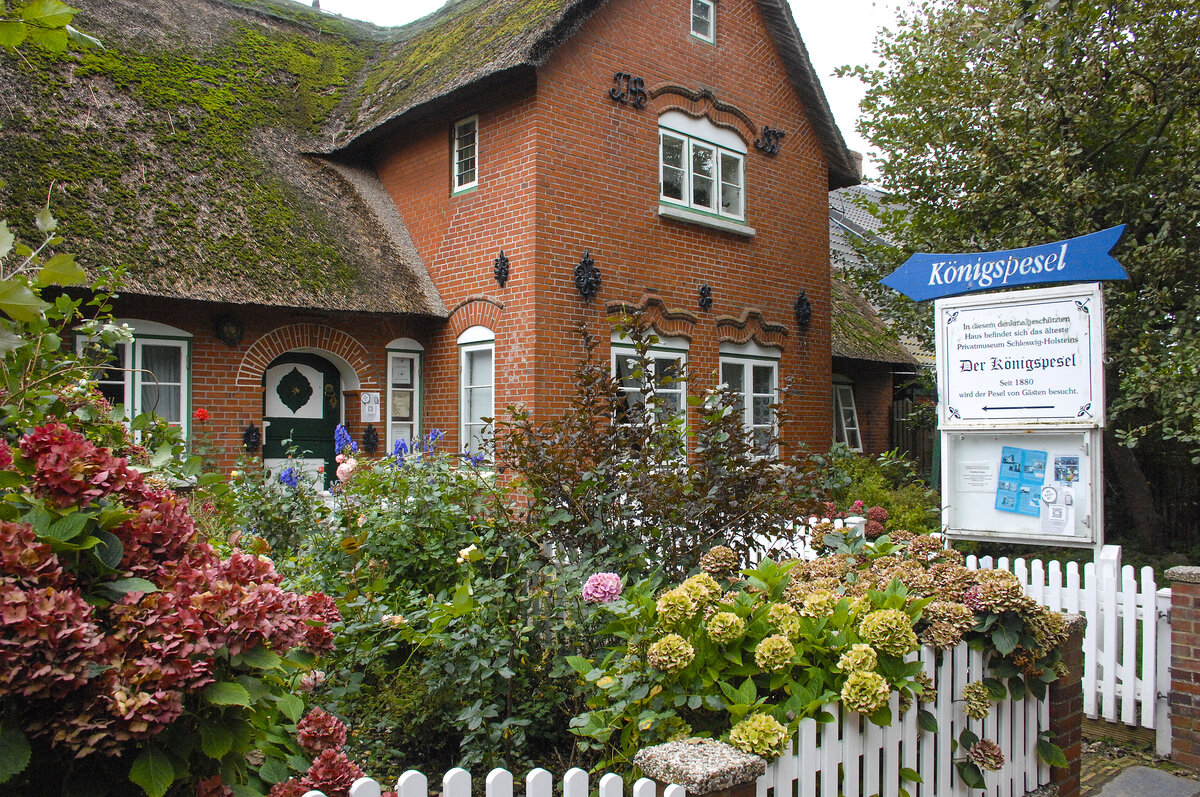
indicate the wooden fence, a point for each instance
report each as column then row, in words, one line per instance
column 1127, row 644
column 847, row 756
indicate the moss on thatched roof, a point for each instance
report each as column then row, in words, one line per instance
column 857, row 330
column 177, row 152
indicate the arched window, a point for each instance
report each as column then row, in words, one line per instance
column 404, row 363
column 476, row 381
column 701, row 167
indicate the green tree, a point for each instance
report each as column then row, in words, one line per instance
column 1004, row 123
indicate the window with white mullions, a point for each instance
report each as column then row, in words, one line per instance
column 465, row 159
column 845, row 417
column 404, row 391
column 660, row 379
column 703, row 19
column 148, row 375
column 705, row 174
column 477, row 384
column 754, row 381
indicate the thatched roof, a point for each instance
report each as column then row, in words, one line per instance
column 177, row 152
column 202, row 149
column 858, row 332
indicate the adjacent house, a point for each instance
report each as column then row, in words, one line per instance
column 874, row 373
column 322, row 221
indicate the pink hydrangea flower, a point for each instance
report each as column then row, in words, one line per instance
column 857, row 507
column 602, row 588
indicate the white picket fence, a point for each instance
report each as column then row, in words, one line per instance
column 848, row 756
column 499, row 783
column 1127, row 644
column 855, row 757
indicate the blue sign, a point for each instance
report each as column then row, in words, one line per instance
column 1082, row 259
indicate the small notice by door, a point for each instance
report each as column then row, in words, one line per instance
column 370, row 408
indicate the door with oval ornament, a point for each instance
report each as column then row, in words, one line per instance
column 302, row 405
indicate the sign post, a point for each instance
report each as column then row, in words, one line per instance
column 1020, row 387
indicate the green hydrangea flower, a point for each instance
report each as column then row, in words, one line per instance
column 785, row 619
column 819, row 603
column 675, row 606
column 865, row 692
column 672, row 653
column 774, row 653
column 725, row 627
column 760, row 734
column 720, row 561
column 859, row 658
column 702, row 588
column 978, row 700
column 889, row 631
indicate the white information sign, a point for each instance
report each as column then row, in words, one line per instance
column 370, row 407
column 1021, row 358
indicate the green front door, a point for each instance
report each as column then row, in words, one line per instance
column 302, row 405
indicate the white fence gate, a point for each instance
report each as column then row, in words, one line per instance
column 848, row 756
column 1127, row 644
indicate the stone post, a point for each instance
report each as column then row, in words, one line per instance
column 1185, row 665
column 702, row 766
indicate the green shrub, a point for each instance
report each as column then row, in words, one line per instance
column 887, row 481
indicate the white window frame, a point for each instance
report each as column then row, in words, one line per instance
column 698, row 135
column 134, row 378
column 398, row 350
column 747, row 357
column 711, row 7
column 474, row 339
column 671, row 348
column 459, row 156
column 846, row 428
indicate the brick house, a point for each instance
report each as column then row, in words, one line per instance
column 321, row 221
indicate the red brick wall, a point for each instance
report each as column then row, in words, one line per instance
column 227, row 380
column 563, row 169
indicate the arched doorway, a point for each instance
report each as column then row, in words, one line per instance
column 302, row 405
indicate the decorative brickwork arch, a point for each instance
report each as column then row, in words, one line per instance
column 475, row 311
column 652, row 311
column 702, row 104
column 340, row 347
column 750, row 325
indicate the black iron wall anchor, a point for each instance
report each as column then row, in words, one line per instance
column 587, row 277
column 500, row 269
column 706, row 299
column 370, row 439
column 629, row 90
column 771, row 141
column 804, row 311
column 251, row 438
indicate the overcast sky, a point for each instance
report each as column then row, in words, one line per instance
column 835, row 33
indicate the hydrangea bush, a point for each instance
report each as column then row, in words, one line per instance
column 131, row 647
column 774, row 644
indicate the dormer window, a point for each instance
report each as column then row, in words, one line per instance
column 465, row 156
column 703, row 20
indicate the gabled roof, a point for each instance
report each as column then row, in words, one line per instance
column 468, row 43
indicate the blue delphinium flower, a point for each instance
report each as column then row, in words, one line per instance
column 474, row 459
column 343, row 442
column 399, row 452
column 289, row 477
